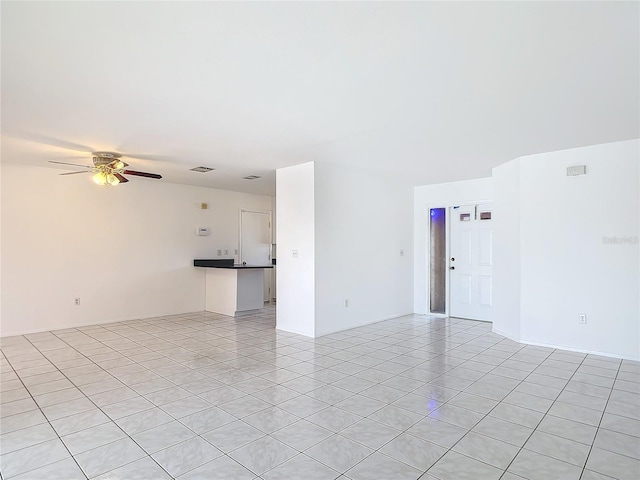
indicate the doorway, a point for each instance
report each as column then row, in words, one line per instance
column 255, row 243
column 471, row 262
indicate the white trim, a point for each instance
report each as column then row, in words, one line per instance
column 391, row 317
column 564, row 347
column 505, row 334
column 106, row 322
column 297, row 332
column 590, row 352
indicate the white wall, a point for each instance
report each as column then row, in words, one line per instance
column 362, row 222
column 566, row 266
column 437, row 196
column 127, row 251
column 295, row 231
column 506, row 250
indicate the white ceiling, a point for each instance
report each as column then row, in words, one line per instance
column 425, row 92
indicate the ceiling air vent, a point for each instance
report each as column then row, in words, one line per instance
column 202, row 169
column 251, row 177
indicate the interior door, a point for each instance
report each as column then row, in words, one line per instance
column 255, row 242
column 471, row 262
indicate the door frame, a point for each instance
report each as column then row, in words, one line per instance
column 262, row 212
column 451, row 209
column 448, row 215
column 267, row 276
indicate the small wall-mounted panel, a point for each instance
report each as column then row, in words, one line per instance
column 576, row 170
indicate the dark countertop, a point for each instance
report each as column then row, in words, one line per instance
column 225, row 263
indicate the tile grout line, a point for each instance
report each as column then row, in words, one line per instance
column 424, row 416
column 586, row 356
column 97, row 407
column 46, row 418
column 493, row 408
column 354, row 394
column 604, row 410
column 394, row 332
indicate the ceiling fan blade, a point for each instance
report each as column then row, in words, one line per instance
column 142, row 174
column 120, row 177
column 144, row 156
column 74, row 164
column 73, row 173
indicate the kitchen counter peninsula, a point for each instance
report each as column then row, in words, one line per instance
column 232, row 289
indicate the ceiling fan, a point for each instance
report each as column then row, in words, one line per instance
column 108, row 169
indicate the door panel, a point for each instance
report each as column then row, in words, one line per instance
column 471, row 262
column 485, row 293
column 464, row 289
column 465, row 247
column 485, row 247
column 255, row 242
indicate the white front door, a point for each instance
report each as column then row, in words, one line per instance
column 471, row 262
column 255, row 242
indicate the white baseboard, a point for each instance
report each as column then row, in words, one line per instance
column 363, row 324
column 84, row 325
column 565, row 347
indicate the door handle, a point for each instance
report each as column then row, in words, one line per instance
column 452, row 268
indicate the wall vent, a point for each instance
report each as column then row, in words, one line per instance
column 251, row 177
column 202, row 169
column 576, row 170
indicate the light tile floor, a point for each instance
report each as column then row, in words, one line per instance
column 202, row 396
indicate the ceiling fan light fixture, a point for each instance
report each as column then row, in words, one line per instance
column 105, row 178
column 100, row 178
column 112, row 179
column 108, row 169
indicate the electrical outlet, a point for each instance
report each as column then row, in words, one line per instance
column 226, row 252
column 582, row 318
column 76, row 301
column 219, row 252
column 346, row 302
column 402, row 253
column 294, row 253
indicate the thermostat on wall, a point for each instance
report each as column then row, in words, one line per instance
column 202, row 231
